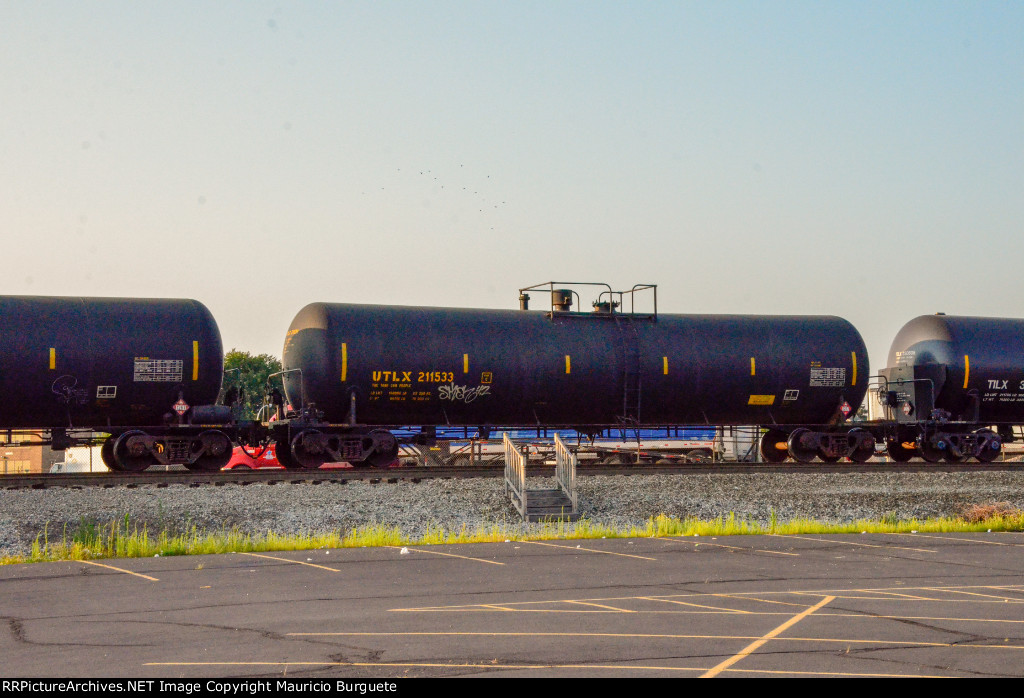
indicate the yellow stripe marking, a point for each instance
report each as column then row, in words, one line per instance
column 898, row 595
column 195, row 361
column 697, row 541
column 467, row 665
column 589, row 550
column 752, row 366
column 597, row 605
column 344, row 362
column 697, row 605
column 118, row 569
column 654, row 636
column 1005, row 599
column 752, row 647
column 962, row 540
column 568, row 365
column 434, row 552
column 53, row 357
column 861, row 545
column 967, row 369
column 760, row 600
column 465, row 363
column 853, row 378
column 756, row 596
column 294, row 562
column 664, row 365
column 726, row 612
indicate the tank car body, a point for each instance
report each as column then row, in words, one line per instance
column 114, row 365
column 948, row 379
column 372, row 367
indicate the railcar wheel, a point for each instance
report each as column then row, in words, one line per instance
column 215, row 451
column 107, row 455
column 990, row 446
column 862, row 445
column 803, row 446
column 774, row 448
column 307, row 450
column 385, row 449
column 284, row 456
column 132, row 454
column 932, row 449
column 901, row 451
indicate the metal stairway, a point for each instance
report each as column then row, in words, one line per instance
column 558, row 504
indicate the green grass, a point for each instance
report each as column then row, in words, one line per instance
column 121, row 538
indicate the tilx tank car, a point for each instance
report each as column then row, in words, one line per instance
column 353, row 371
column 147, row 372
column 949, row 380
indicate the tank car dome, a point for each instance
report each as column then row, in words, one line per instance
column 923, row 340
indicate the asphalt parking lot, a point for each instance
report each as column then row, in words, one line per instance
column 861, row 605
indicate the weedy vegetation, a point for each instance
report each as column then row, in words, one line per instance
column 123, row 538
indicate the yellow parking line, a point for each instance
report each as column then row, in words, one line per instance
column 752, row 647
column 588, row 550
column 294, row 562
column 902, row 596
column 962, row 540
column 922, row 618
column 495, row 665
column 984, row 596
column 890, row 594
column 645, row 636
column 658, row 636
column 118, row 569
column 863, row 545
column 695, row 541
column 434, row 552
column 597, row 605
column 694, row 605
column 754, row 598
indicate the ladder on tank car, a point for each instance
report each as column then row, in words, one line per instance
column 558, row 504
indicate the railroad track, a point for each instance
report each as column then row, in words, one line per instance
column 161, row 478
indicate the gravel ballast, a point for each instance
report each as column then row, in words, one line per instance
column 620, row 501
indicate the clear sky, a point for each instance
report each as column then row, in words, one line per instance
column 861, row 159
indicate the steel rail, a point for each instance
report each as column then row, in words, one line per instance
column 161, row 478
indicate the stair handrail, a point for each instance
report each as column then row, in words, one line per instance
column 515, row 474
column 565, row 470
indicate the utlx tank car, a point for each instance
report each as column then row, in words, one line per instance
column 353, row 371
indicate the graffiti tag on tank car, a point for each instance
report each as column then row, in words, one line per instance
column 462, row 393
column 67, row 392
